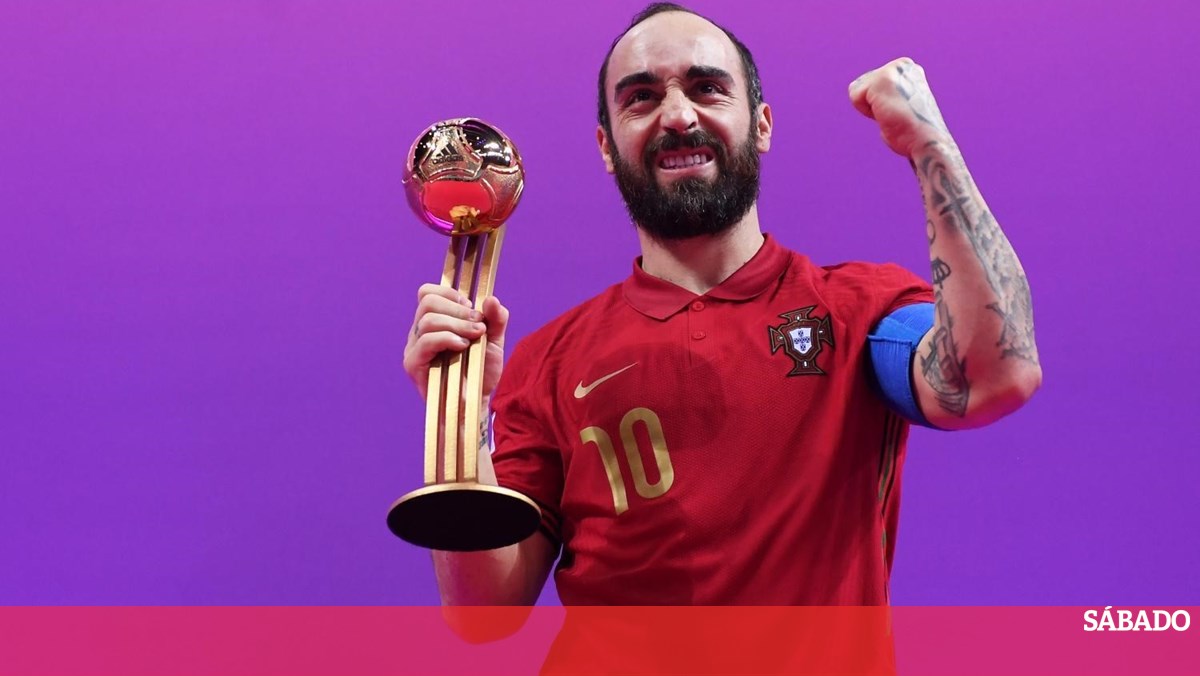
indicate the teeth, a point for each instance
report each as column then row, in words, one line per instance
column 677, row 161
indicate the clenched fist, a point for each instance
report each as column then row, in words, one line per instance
column 446, row 322
column 898, row 98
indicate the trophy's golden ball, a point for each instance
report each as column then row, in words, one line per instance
column 463, row 177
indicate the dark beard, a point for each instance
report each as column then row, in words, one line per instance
column 690, row 207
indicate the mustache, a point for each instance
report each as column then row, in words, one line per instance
column 695, row 139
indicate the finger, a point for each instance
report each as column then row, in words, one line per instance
column 433, row 322
column 448, row 292
column 440, row 303
column 496, row 317
column 426, row 348
column 858, row 93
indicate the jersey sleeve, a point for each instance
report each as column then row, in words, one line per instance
column 525, row 455
column 896, row 287
column 903, row 312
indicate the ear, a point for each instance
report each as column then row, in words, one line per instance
column 762, row 130
column 605, row 150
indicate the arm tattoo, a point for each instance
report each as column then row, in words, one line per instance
column 1015, row 307
column 940, row 271
column 959, row 211
column 942, row 368
column 915, row 90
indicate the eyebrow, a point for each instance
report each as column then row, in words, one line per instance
column 709, row 73
column 693, row 73
column 635, row 79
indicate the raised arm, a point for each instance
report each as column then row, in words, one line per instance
column 980, row 361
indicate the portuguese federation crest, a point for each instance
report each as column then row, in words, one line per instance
column 801, row 337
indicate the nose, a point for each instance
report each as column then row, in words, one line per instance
column 678, row 113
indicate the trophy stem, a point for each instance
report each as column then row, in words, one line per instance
column 476, row 356
column 455, row 406
column 435, row 392
column 455, row 388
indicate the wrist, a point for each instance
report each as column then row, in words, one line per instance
column 936, row 145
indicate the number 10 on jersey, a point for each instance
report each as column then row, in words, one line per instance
column 608, row 454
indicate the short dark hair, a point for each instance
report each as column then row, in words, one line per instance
column 749, row 69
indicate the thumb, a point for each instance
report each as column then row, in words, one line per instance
column 495, row 316
column 858, row 94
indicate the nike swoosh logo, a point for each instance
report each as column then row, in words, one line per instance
column 582, row 390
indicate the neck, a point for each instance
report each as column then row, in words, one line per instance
column 700, row 263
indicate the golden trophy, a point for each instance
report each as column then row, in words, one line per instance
column 463, row 177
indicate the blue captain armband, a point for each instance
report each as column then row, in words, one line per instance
column 893, row 344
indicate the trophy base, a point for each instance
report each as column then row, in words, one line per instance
column 463, row 517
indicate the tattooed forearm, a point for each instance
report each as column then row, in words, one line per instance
column 1016, row 336
column 942, row 368
column 1014, row 307
column 955, row 204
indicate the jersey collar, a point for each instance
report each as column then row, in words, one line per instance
column 660, row 299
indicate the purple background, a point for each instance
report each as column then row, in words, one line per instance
column 207, row 270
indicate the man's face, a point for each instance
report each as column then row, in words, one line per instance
column 684, row 143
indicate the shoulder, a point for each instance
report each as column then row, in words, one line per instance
column 860, row 289
column 865, row 275
column 847, row 274
column 862, row 282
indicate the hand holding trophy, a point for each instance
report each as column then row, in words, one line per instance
column 463, row 177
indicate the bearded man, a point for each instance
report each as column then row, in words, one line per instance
column 727, row 425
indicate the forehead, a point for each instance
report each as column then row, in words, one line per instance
column 668, row 44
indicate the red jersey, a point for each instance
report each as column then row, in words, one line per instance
column 727, row 448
